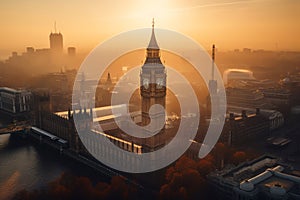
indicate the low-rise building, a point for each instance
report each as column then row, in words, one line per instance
column 274, row 117
column 246, row 97
column 240, row 129
column 263, row 178
column 14, row 101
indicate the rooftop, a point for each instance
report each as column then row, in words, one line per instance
column 266, row 173
column 10, row 90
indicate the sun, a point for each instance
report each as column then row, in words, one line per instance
column 148, row 9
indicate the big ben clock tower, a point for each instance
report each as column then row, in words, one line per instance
column 153, row 91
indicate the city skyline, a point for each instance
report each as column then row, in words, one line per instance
column 255, row 24
column 97, row 102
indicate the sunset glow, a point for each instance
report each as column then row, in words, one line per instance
column 258, row 24
column 149, row 99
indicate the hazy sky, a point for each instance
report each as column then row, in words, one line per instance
column 267, row 24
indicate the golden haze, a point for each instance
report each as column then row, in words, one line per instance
column 257, row 24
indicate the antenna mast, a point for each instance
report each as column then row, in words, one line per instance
column 213, row 63
column 152, row 23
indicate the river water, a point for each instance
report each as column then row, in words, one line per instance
column 26, row 164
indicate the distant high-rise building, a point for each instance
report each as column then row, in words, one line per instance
column 71, row 51
column 56, row 41
column 30, row 50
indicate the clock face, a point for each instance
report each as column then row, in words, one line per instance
column 159, row 83
column 146, row 83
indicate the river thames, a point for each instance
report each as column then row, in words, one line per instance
column 26, row 164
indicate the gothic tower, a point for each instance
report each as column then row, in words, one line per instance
column 153, row 90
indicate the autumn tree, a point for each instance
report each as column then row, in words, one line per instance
column 239, row 157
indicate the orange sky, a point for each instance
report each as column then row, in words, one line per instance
column 231, row 24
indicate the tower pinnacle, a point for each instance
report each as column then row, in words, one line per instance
column 153, row 43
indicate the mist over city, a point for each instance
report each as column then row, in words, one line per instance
column 150, row 99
